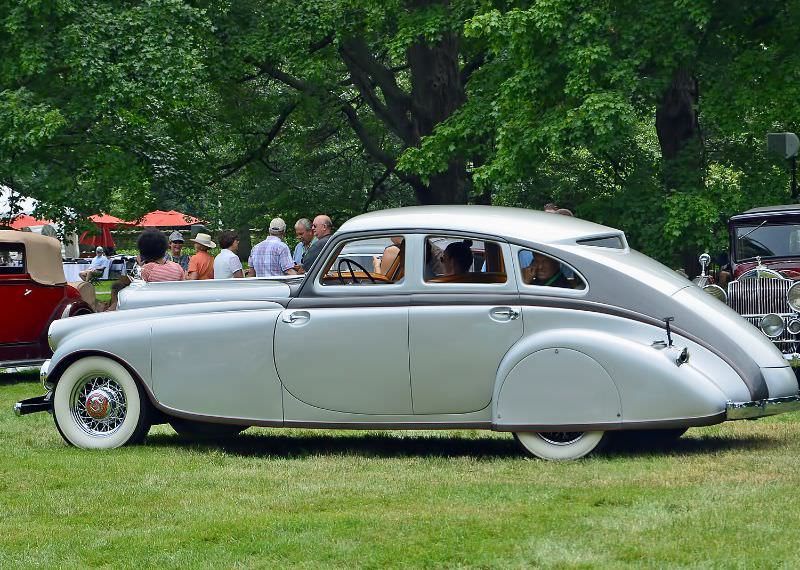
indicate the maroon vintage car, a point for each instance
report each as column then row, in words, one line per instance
column 34, row 293
column 764, row 259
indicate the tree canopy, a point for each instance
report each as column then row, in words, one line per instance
column 650, row 117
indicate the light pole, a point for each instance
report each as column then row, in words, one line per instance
column 786, row 145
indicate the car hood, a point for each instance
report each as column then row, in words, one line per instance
column 140, row 294
column 789, row 268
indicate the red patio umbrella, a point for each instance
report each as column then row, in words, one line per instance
column 25, row 221
column 162, row 219
column 105, row 224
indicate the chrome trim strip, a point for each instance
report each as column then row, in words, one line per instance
column 761, row 408
column 618, row 426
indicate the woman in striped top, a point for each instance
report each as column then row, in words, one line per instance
column 152, row 246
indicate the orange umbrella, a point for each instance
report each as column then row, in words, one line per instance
column 24, row 221
column 106, row 219
column 105, row 223
column 171, row 218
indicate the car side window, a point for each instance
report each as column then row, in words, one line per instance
column 12, row 259
column 537, row 268
column 459, row 259
column 368, row 261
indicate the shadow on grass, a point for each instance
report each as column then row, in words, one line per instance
column 21, row 377
column 386, row 445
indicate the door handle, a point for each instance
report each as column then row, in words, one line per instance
column 295, row 317
column 27, row 292
column 505, row 312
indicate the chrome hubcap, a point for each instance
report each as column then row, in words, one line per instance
column 561, row 437
column 98, row 405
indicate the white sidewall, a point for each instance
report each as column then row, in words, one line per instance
column 543, row 449
column 69, row 427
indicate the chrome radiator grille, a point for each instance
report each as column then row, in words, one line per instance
column 758, row 297
column 754, row 298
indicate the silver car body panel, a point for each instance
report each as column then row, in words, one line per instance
column 415, row 353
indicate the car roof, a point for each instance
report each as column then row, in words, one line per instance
column 515, row 224
column 789, row 210
column 42, row 255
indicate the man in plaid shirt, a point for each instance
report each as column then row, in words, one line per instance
column 272, row 256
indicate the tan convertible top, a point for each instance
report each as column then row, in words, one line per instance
column 42, row 256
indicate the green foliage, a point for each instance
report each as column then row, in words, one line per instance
column 238, row 111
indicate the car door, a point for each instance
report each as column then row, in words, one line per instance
column 342, row 344
column 461, row 326
column 28, row 305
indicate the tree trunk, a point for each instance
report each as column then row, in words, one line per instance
column 681, row 147
column 436, row 93
column 679, row 133
column 245, row 243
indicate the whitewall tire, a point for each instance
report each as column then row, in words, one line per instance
column 561, row 445
column 98, row 405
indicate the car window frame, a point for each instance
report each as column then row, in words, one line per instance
column 538, row 289
column 429, row 287
column 24, row 271
column 318, row 289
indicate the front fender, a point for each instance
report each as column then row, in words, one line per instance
column 579, row 377
column 128, row 342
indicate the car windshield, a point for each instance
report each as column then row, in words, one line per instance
column 781, row 240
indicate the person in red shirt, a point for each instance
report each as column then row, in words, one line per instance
column 201, row 264
column 152, row 246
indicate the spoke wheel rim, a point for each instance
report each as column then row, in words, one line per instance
column 98, row 405
column 561, row 437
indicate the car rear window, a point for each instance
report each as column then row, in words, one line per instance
column 12, row 259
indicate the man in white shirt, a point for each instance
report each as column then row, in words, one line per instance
column 227, row 264
column 97, row 267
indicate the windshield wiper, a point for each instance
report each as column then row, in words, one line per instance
column 754, row 229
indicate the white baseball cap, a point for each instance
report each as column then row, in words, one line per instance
column 277, row 225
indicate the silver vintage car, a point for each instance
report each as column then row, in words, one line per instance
column 545, row 326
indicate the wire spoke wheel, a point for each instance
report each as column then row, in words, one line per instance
column 98, row 405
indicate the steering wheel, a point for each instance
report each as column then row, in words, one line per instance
column 350, row 263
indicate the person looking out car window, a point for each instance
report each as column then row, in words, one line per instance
column 457, row 257
column 545, row 271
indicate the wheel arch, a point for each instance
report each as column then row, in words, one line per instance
column 55, row 372
column 650, row 389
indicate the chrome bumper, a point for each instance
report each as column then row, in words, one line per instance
column 761, row 408
column 33, row 405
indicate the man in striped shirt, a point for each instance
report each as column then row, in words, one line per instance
column 272, row 256
column 152, row 246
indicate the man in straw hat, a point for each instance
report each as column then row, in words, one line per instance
column 272, row 256
column 201, row 264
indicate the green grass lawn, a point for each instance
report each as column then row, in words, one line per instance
column 721, row 497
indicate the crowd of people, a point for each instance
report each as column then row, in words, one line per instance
column 162, row 259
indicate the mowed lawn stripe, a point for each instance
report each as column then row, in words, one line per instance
column 722, row 497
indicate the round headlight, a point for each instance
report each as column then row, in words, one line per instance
column 793, row 326
column 772, row 325
column 716, row 291
column 793, row 296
